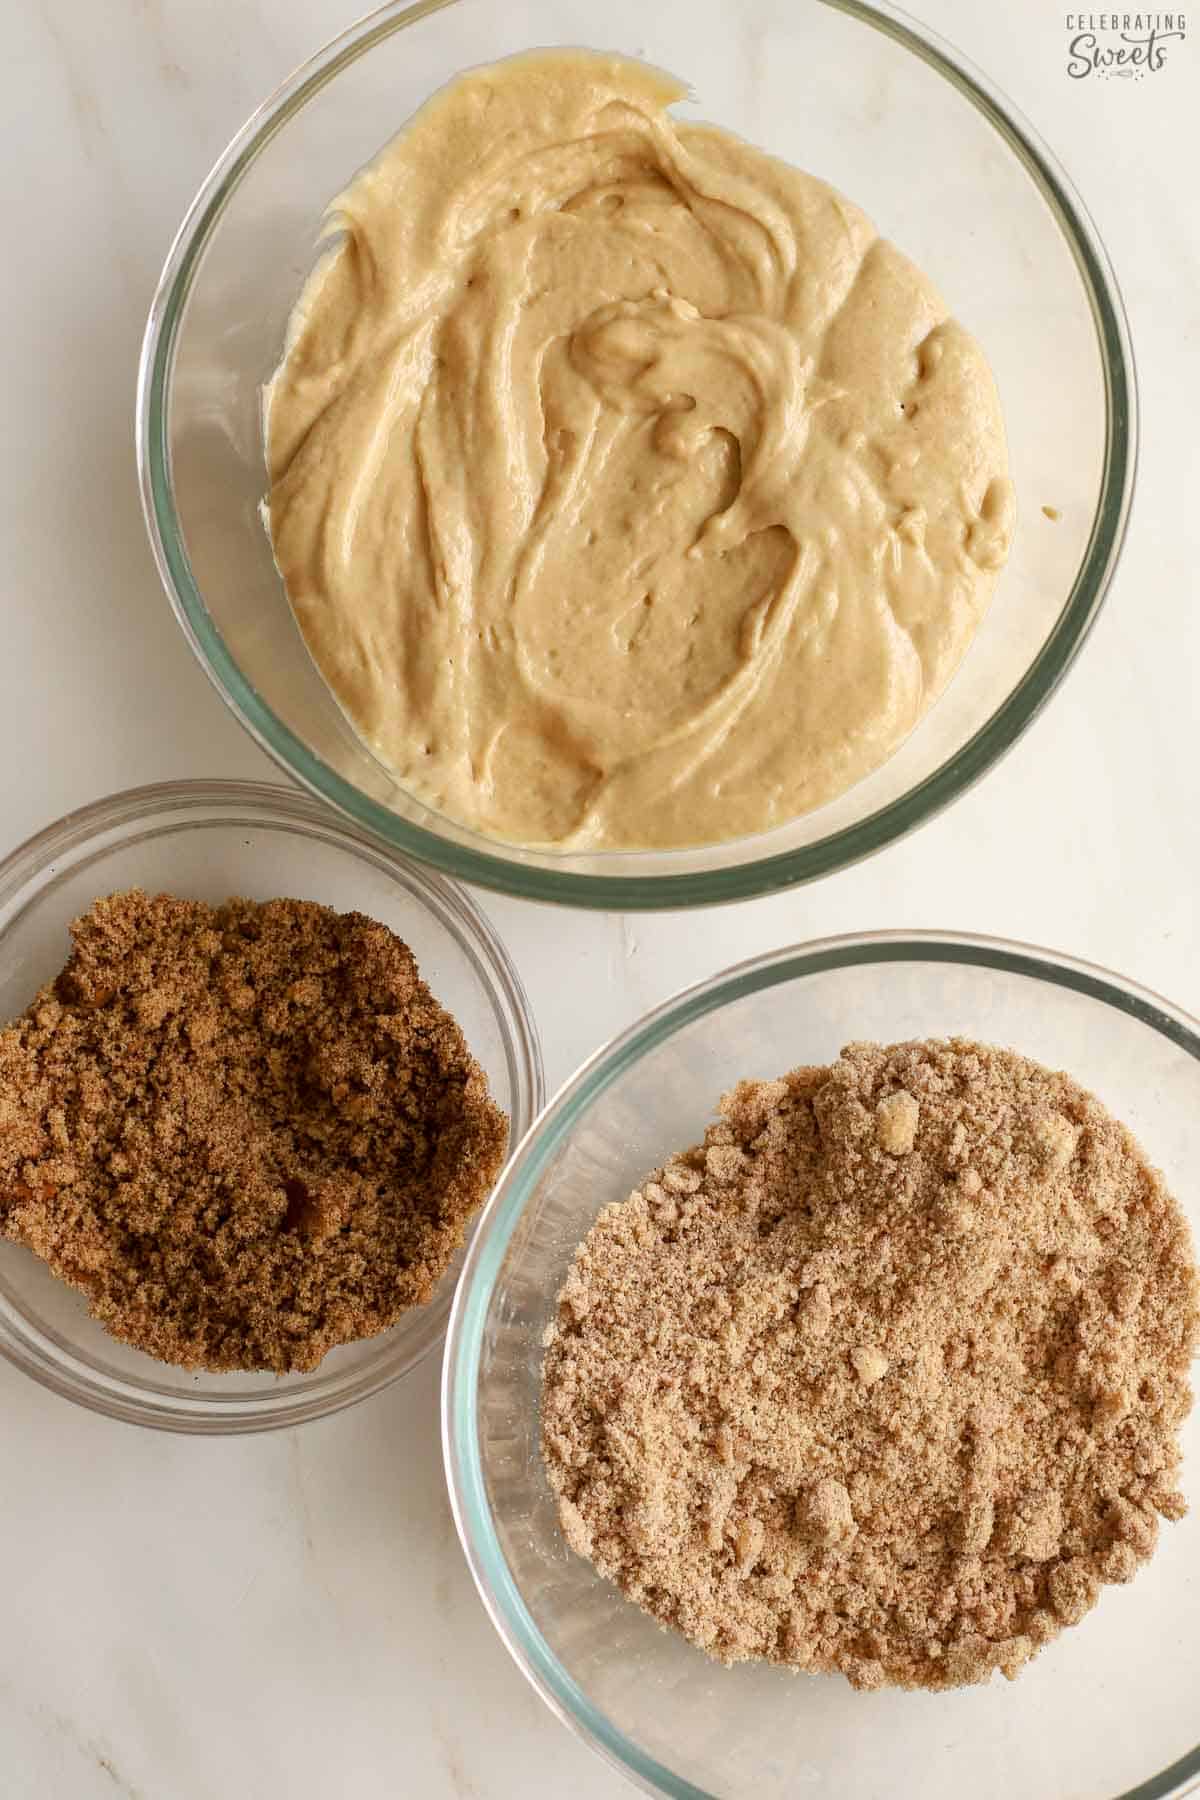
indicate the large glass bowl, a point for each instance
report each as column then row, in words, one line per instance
column 209, row 841
column 1108, row 1709
column 857, row 94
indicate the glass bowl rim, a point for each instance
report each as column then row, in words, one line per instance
column 501, row 1597
column 491, row 868
column 183, row 805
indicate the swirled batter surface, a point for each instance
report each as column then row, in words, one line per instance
column 629, row 490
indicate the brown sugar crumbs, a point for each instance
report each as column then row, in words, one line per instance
column 886, row 1376
column 247, row 1133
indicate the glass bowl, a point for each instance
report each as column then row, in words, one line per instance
column 208, row 841
column 1107, row 1709
column 857, row 94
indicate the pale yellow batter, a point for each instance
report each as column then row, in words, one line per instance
column 628, row 489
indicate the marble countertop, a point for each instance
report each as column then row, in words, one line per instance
column 290, row 1614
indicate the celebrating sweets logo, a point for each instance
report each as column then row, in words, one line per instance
column 1127, row 45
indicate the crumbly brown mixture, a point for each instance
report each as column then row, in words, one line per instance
column 248, row 1133
column 885, row 1377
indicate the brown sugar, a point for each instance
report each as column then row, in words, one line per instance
column 885, row 1377
column 247, row 1133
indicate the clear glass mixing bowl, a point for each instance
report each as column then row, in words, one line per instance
column 1108, row 1709
column 208, row 841
column 859, row 95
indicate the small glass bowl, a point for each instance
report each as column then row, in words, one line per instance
column 1109, row 1709
column 210, row 841
column 858, row 94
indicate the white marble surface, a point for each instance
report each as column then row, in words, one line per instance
column 290, row 1615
